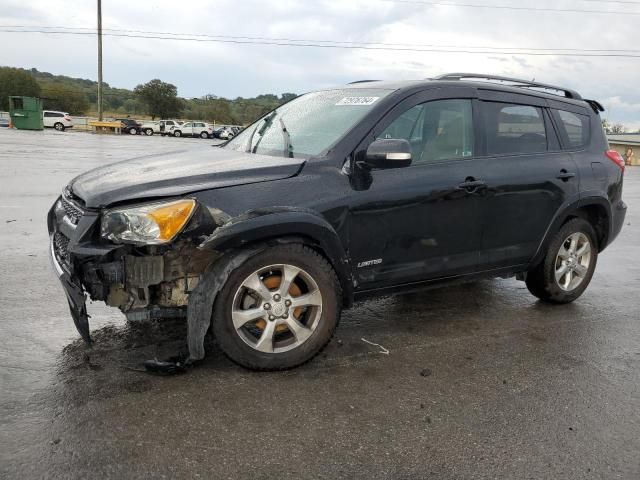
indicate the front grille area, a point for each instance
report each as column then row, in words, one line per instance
column 60, row 249
column 72, row 212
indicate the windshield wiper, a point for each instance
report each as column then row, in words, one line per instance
column 288, row 149
column 263, row 128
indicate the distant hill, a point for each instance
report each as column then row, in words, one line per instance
column 123, row 101
column 114, row 98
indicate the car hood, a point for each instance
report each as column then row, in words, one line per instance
column 178, row 173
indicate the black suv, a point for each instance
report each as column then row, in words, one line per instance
column 366, row 189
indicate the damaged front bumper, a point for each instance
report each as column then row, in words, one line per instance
column 144, row 282
column 75, row 294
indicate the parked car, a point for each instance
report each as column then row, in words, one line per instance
column 58, row 120
column 359, row 191
column 130, row 126
column 149, row 128
column 192, row 129
column 224, row 133
column 4, row 123
column 165, row 126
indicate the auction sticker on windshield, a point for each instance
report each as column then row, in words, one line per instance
column 357, row 100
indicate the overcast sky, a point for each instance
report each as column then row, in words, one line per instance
column 232, row 70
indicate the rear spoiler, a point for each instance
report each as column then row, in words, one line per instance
column 596, row 106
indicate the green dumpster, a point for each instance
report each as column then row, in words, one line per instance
column 26, row 113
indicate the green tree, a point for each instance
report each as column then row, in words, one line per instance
column 285, row 97
column 161, row 98
column 58, row 96
column 210, row 109
column 16, row 81
column 618, row 128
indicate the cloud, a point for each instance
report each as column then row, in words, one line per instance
column 231, row 70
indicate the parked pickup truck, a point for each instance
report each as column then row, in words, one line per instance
column 159, row 127
column 149, row 128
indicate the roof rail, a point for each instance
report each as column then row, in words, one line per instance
column 362, row 81
column 514, row 82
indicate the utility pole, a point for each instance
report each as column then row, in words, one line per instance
column 100, row 60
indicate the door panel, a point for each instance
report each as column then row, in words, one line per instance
column 417, row 223
column 522, row 198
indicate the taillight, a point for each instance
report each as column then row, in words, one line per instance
column 67, row 118
column 616, row 158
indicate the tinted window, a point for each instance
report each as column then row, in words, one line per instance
column 574, row 127
column 439, row 130
column 49, row 114
column 514, row 129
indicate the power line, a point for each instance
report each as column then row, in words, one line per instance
column 340, row 42
column 334, row 46
column 508, row 7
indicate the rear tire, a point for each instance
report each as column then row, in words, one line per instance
column 287, row 327
column 58, row 126
column 177, row 133
column 568, row 265
column 133, row 131
column 204, row 135
column 148, row 132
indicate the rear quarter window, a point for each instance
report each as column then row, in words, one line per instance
column 514, row 129
column 574, row 128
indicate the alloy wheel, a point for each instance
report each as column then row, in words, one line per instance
column 572, row 261
column 277, row 308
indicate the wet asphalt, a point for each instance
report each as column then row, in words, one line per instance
column 480, row 380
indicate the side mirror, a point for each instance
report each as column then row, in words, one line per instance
column 388, row 153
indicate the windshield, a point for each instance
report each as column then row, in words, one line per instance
column 309, row 125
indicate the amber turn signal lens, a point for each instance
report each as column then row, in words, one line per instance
column 172, row 218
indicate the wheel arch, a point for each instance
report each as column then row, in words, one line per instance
column 286, row 225
column 595, row 210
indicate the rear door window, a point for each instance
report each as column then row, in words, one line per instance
column 514, row 129
column 574, row 128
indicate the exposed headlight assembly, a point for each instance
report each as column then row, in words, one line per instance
column 152, row 224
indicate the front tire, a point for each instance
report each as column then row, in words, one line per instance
column 279, row 309
column 177, row 133
column 133, row 131
column 568, row 265
column 148, row 132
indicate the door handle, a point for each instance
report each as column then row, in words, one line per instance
column 470, row 184
column 565, row 176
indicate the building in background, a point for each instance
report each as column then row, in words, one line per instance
column 627, row 145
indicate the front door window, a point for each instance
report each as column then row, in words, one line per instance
column 437, row 131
